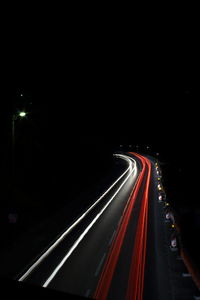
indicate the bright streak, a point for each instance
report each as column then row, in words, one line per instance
column 86, row 231
column 50, row 249
column 136, row 275
column 110, row 265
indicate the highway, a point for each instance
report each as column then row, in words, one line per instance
column 115, row 249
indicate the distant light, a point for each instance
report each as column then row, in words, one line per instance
column 157, row 153
column 21, row 95
column 22, row 114
column 173, row 226
column 159, row 187
column 173, row 242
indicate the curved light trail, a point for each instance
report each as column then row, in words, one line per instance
column 50, row 278
column 136, row 276
column 132, row 167
column 111, row 262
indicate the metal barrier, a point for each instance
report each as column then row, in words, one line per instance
column 192, row 269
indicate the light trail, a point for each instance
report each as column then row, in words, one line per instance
column 111, row 262
column 56, row 270
column 136, row 276
column 132, row 166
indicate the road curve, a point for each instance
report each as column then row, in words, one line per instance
column 63, row 266
column 107, row 252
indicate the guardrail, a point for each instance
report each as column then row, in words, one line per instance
column 192, row 269
column 187, row 260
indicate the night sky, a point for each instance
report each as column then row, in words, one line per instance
column 92, row 108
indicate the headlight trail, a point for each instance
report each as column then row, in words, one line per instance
column 46, row 283
column 130, row 168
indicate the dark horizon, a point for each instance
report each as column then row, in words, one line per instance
column 55, row 126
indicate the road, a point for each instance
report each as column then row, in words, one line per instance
column 115, row 249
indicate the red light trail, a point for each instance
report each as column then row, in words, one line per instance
column 136, row 277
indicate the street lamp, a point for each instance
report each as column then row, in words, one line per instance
column 20, row 114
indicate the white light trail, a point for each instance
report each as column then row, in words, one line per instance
column 67, row 231
column 50, row 278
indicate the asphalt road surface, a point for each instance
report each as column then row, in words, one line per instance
column 116, row 249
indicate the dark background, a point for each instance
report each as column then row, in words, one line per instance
column 89, row 87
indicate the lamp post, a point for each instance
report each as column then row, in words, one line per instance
column 20, row 114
